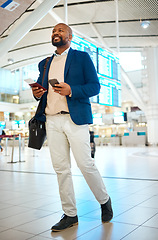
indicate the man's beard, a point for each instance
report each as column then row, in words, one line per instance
column 59, row 43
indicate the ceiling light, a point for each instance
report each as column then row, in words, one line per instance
column 145, row 24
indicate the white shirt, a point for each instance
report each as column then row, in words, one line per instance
column 55, row 102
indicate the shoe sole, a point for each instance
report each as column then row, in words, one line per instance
column 107, row 221
column 56, row 230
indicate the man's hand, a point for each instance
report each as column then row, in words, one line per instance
column 64, row 90
column 38, row 92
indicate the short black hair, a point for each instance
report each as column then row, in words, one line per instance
column 67, row 26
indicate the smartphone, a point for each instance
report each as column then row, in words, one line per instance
column 34, row 84
column 37, row 85
column 53, row 82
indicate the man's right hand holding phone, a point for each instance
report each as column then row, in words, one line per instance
column 62, row 88
column 38, row 92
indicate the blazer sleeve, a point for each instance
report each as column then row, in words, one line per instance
column 41, row 70
column 88, row 84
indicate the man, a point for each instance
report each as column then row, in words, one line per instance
column 68, row 113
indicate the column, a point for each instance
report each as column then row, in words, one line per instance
column 151, row 111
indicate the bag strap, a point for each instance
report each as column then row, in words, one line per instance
column 40, row 103
column 45, row 66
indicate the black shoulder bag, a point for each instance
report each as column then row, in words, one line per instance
column 37, row 129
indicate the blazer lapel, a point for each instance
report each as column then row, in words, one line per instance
column 68, row 61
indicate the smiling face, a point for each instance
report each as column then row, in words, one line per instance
column 61, row 36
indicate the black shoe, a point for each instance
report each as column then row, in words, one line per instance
column 106, row 210
column 64, row 223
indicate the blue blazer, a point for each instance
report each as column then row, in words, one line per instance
column 81, row 75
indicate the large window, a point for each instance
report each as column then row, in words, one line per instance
column 30, row 71
column 9, row 83
column 131, row 61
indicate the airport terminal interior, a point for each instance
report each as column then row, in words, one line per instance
column 121, row 37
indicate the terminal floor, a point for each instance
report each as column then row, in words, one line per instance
column 30, row 205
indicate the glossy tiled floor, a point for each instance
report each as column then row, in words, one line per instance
column 30, row 205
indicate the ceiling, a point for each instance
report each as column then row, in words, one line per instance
column 95, row 19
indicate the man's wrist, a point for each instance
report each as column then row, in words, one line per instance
column 70, row 95
column 37, row 98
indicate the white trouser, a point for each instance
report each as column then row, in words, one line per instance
column 62, row 134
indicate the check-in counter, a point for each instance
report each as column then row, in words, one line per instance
column 101, row 141
column 134, row 139
column 115, row 140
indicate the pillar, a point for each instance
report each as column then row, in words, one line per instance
column 151, row 111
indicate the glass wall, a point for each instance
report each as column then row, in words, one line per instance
column 30, row 71
column 9, row 82
column 9, row 85
column 131, row 61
